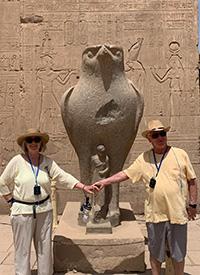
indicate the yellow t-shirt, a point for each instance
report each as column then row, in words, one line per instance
column 167, row 201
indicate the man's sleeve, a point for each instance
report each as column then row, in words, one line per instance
column 190, row 173
column 134, row 171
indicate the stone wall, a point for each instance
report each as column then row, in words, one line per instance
column 41, row 42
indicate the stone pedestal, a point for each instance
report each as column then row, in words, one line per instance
column 101, row 228
column 119, row 252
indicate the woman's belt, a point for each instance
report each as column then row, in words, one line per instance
column 34, row 204
column 31, row 203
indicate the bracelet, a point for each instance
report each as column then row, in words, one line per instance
column 193, row 205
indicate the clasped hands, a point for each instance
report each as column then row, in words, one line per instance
column 93, row 188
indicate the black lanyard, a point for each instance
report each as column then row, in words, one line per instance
column 155, row 161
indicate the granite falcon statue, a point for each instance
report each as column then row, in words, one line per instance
column 103, row 108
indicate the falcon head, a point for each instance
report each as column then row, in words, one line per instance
column 103, row 59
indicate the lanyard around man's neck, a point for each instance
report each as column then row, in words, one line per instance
column 155, row 161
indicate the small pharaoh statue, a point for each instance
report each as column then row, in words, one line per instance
column 101, row 169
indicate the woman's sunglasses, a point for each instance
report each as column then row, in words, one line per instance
column 155, row 135
column 33, row 139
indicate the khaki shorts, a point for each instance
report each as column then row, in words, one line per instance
column 165, row 235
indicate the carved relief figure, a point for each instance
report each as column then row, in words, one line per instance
column 100, row 170
column 175, row 75
column 47, row 77
column 50, row 102
column 103, row 108
column 133, row 67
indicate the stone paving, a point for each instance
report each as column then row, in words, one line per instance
column 192, row 266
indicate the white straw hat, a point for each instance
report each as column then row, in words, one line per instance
column 153, row 126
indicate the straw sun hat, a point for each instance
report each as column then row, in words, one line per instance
column 154, row 125
column 33, row 133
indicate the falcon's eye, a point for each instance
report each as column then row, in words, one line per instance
column 90, row 54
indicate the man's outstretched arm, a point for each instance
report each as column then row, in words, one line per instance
column 116, row 178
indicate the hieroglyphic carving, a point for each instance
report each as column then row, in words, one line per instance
column 158, row 108
column 47, row 47
column 10, row 92
column 9, row 62
column 187, row 4
column 22, row 113
column 69, row 32
column 2, row 94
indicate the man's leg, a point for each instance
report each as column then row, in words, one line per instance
column 179, row 267
column 177, row 241
column 156, row 244
column 155, row 266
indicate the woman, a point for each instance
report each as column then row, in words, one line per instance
column 26, row 185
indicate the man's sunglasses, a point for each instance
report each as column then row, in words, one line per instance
column 155, row 135
column 33, row 139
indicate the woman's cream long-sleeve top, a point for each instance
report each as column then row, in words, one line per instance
column 18, row 178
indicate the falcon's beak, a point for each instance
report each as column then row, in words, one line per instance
column 104, row 51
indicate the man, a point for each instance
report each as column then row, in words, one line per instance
column 169, row 179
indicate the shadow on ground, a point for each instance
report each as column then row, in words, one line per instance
column 147, row 272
